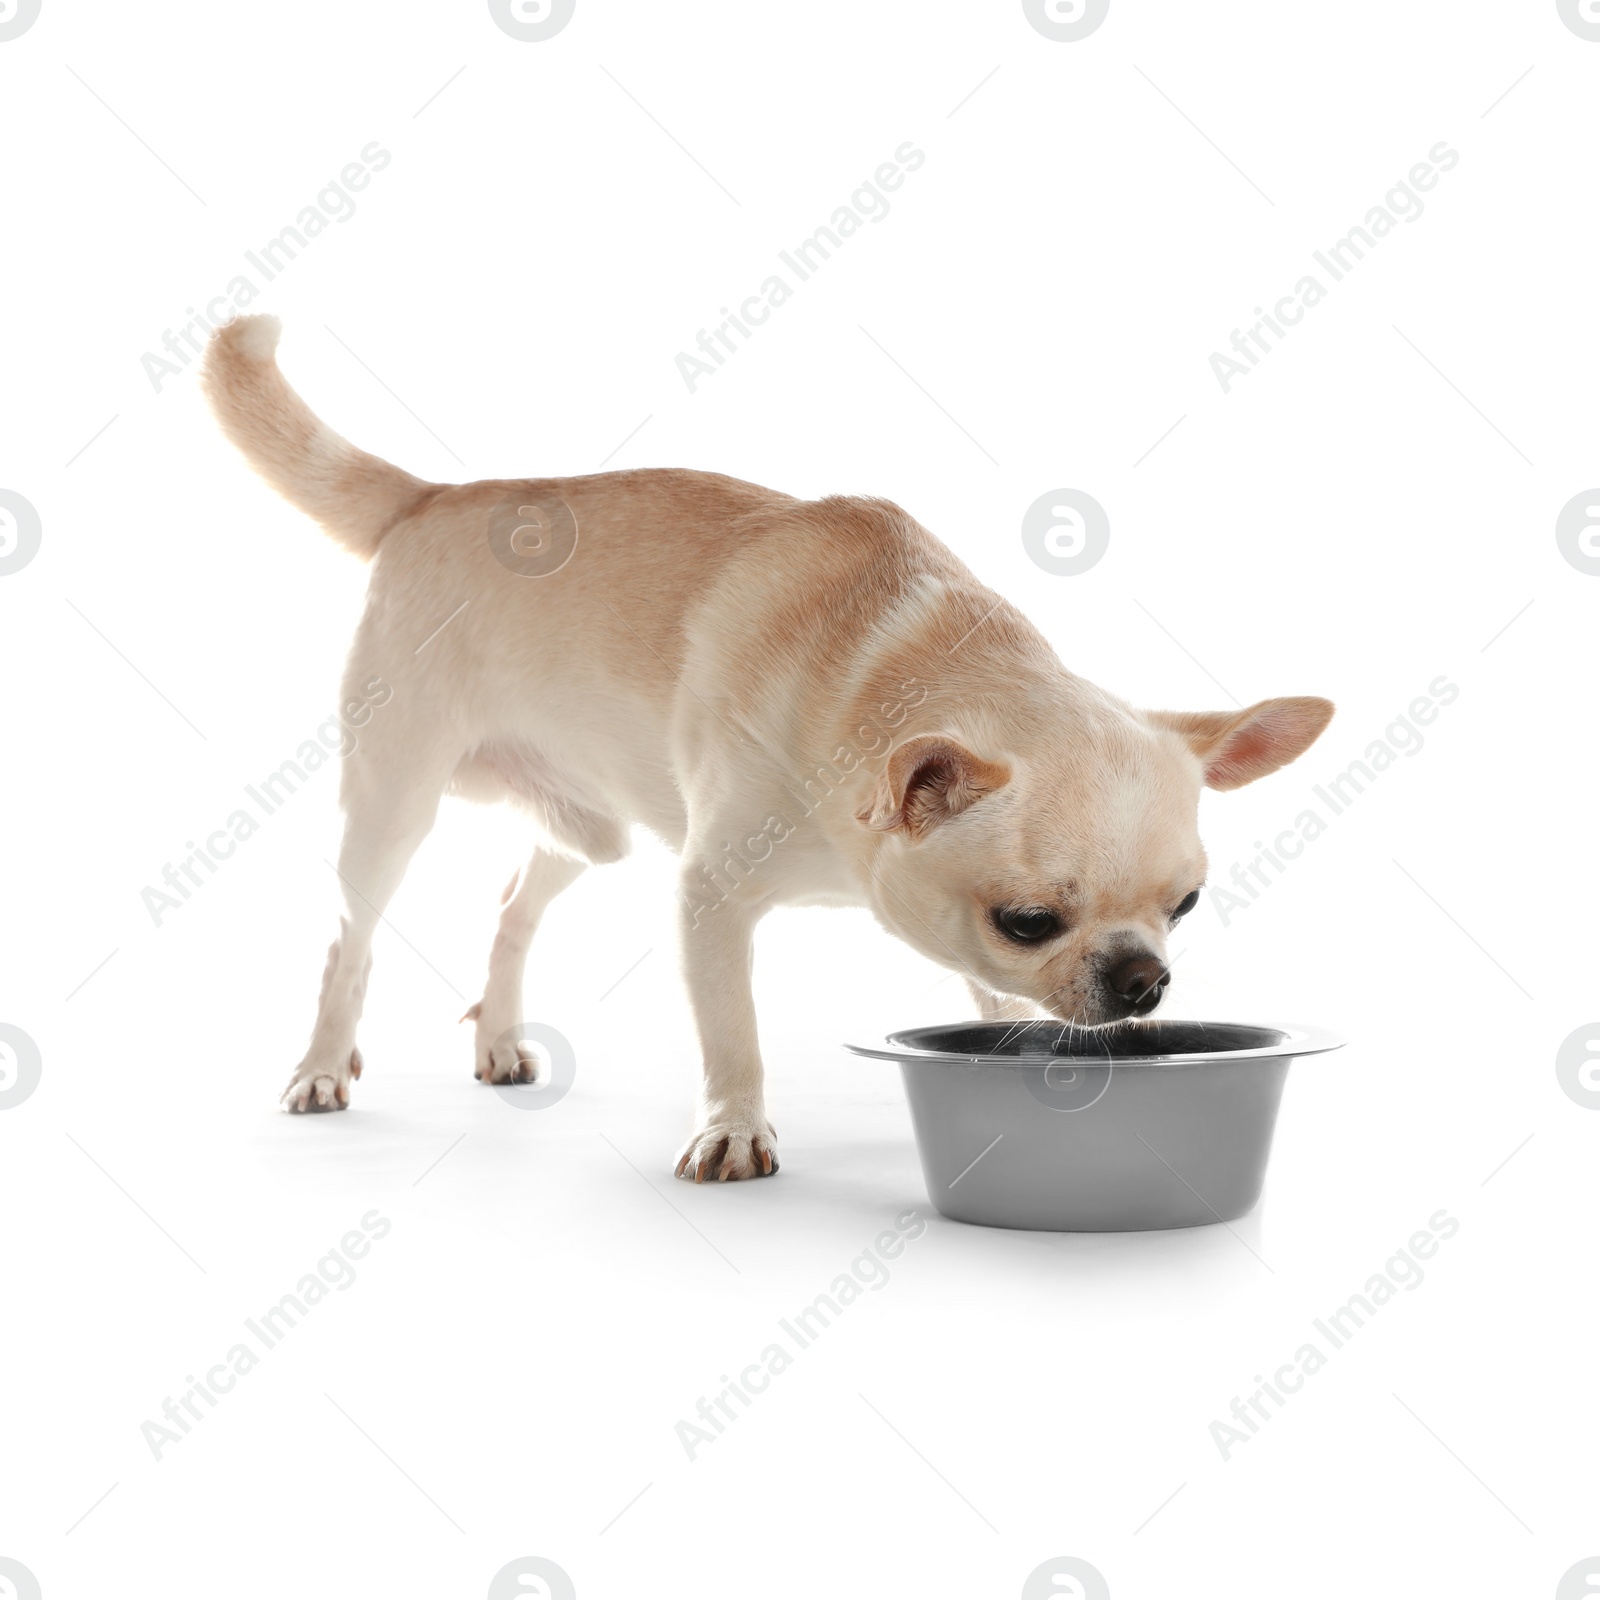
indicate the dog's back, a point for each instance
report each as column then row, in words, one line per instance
column 549, row 645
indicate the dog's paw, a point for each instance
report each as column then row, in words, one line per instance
column 316, row 1086
column 496, row 1058
column 732, row 1148
column 505, row 1061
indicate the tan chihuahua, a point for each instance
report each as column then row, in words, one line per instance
column 813, row 702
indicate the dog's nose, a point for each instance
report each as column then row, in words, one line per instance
column 1139, row 980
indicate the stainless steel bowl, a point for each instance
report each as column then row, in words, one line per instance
column 1159, row 1124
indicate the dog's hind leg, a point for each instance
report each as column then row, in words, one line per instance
column 390, row 794
column 497, row 1054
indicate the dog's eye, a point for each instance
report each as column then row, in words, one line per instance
column 1029, row 925
column 1187, row 904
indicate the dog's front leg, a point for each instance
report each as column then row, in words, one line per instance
column 732, row 1137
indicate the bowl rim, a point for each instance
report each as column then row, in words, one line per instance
column 1300, row 1039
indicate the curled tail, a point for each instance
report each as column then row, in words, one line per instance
column 356, row 497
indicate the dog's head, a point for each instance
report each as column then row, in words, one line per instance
column 1058, row 872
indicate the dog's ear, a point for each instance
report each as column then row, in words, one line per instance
column 929, row 779
column 1237, row 747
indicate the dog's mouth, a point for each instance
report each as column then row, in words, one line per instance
column 1108, row 1011
column 1091, row 1021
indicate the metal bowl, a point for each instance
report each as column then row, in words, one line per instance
column 1159, row 1124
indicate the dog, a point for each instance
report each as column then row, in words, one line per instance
column 812, row 702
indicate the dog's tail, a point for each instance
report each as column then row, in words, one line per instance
column 356, row 497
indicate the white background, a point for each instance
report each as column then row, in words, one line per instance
column 1374, row 506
